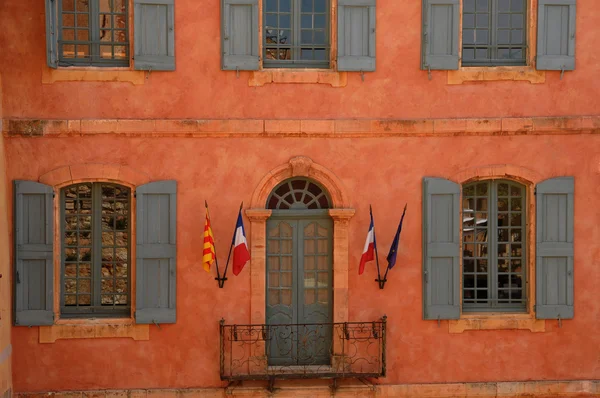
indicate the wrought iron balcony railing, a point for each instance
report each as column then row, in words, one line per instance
column 293, row 351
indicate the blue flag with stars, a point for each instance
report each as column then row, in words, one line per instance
column 391, row 257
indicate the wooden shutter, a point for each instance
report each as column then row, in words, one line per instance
column 51, row 33
column 554, row 248
column 156, row 219
column 556, row 35
column 34, row 244
column 441, row 248
column 356, row 35
column 239, row 35
column 440, row 34
column 154, row 30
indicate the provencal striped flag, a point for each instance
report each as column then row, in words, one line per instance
column 208, row 253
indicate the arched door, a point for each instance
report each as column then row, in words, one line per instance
column 299, row 275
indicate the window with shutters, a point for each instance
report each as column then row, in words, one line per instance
column 494, row 262
column 95, row 237
column 296, row 33
column 93, row 32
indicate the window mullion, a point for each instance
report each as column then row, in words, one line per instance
column 296, row 40
column 493, row 242
column 94, row 13
column 96, row 244
column 493, row 33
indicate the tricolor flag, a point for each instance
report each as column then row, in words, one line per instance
column 241, row 255
column 369, row 249
column 208, row 252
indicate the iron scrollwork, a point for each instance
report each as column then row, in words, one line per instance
column 292, row 351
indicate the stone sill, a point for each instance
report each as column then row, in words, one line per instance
column 340, row 128
column 282, row 75
column 497, row 322
column 93, row 74
column 93, row 329
column 496, row 73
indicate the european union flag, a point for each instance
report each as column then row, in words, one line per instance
column 391, row 257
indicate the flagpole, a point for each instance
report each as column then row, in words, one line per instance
column 376, row 254
column 218, row 278
column 388, row 268
column 231, row 248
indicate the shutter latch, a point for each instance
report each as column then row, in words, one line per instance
column 559, row 321
column 562, row 72
column 156, row 323
column 439, row 321
column 362, row 75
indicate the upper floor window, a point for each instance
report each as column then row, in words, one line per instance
column 96, row 275
column 296, row 33
column 494, row 246
column 494, row 32
column 93, row 32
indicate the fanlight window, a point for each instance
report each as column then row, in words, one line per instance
column 298, row 194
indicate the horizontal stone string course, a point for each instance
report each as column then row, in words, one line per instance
column 300, row 128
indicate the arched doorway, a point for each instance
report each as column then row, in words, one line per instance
column 299, row 276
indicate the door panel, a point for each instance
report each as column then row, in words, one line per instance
column 299, row 290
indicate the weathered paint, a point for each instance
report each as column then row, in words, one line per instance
column 5, row 271
column 383, row 171
column 225, row 171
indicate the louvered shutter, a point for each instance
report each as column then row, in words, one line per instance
column 156, row 271
column 556, row 35
column 52, row 33
column 554, row 248
column 239, row 35
column 356, row 35
column 441, row 248
column 440, row 34
column 154, row 31
column 34, row 244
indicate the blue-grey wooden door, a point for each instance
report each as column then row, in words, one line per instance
column 299, row 288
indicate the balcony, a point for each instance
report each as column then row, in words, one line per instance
column 303, row 351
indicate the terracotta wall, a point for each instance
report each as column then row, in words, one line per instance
column 199, row 89
column 5, row 271
column 226, row 170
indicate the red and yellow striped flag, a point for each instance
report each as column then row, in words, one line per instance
column 208, row 253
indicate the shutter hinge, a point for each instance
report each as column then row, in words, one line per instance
column 135, row 194
column 53, row 194
column 18, row 277
column 535, row 191
column 535, row 308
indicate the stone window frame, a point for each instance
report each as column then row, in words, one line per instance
column 503, row 320
column 69, row 328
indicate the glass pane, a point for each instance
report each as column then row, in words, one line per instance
column 286, row 247
column 85, row 254
column 121, row 285
column 274, row 279
column 286, row 263
column 502, row 190
column 82, row 5
column 323, row 263
column 503, row 204
column 107, row 270
column 85, row 286
column 515, row 266
column 482, row 265
column 108, row 238
column 309, row 246
column 503, row 281
column 286, row 296
column 70, row 270
column 309, row 263
column 482, row 189
column 515, row 191
column 286, row 279
column 121, row 254
column 121, row 269
column 82, row 21
column 85, row 269
column 322, row 296
column 515, row 219
column 482, row 281
column 323, row 246
column 502, row 266
column 70, row 285
column 107, row 285
column 285, row 230
column 468, row 281
column 309, row 296
column 84, row 299
column 107, row 299
column 273, row 246
column 108, row 254
column 515, row 235
column 323, row 279
column 273, row 297
column 273, row 263
column 309, row 280
column 121, row 299
column 468, row 265
column 70, row 299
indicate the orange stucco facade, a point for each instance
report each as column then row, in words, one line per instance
column 219, row 136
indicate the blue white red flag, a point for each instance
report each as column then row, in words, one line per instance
column 369, row 249
column 241, row 254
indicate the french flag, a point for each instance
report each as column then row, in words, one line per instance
column 369, row 250
column 241, row 255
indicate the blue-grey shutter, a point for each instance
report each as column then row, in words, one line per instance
column 154, row 30
column 556, row 35
column 239, row 35
column 554, row 248
column 34, row 243
column 156, row 271
column 440, row 34
column 441, row 249
column 51, row 33
column 356, row 35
